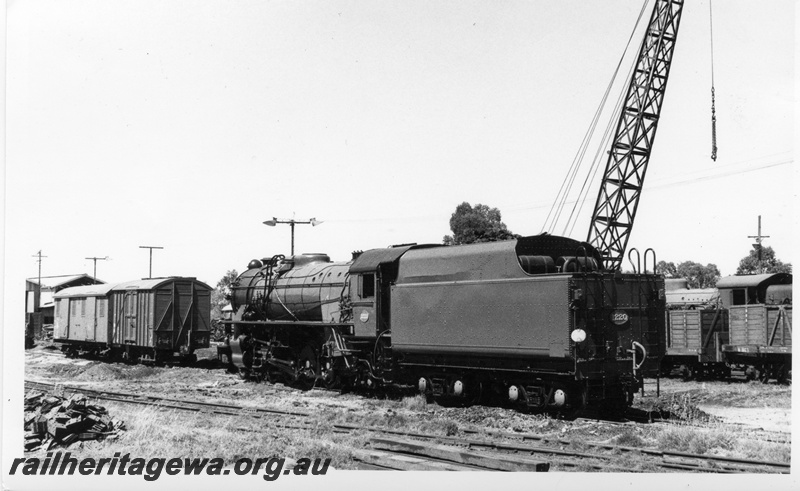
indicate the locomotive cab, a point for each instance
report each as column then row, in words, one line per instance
column 371, row 276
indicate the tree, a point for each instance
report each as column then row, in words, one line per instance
column 697, row 275
column 220, row 297
column 668, row 269
column 476, row 224
column 767, row 264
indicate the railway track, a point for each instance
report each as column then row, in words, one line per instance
column 166, row 402
column 393, row 449
column 602, row 459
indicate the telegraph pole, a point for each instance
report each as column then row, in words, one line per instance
column 757, row 245
column 39, row 287
column 95, row 259
column 150, row 274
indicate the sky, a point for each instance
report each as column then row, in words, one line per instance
column 186, row 124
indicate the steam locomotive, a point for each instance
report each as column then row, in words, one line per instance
column 533, row 321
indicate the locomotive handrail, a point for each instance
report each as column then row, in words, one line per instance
column 644, row 357
column 343, row 302
column 638, row 266
column 578, row 266
column 650, row 249
column 269, row 281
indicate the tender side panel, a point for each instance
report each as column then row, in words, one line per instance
column 528, row 316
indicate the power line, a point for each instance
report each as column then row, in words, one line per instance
column 683, row 181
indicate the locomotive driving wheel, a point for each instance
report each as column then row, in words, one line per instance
column 307, row 367
column 328, row 375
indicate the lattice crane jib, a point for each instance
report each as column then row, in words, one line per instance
column 629, row 155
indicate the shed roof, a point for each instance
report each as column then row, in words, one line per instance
column 752, row 280
column 58, row 281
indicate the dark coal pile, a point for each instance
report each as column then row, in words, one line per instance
column 52, row 421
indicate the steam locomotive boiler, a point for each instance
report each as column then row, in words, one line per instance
column 533, row 321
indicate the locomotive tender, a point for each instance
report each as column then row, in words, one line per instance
column 534, row 321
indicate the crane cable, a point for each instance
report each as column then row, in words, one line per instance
column 554, row 215
column 713, row 108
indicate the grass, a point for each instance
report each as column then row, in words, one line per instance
column 735, row 393
column 629, row 437
column 695, row 441
column 721, row 441
column 158, row 433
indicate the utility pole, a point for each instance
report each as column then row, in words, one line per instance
column 38, row 297
column 95, row 259
column 757, row 245
column 313, row 221
column 150, row 274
